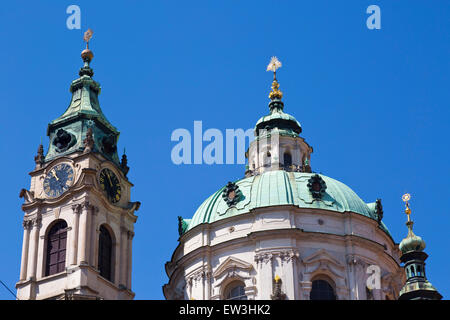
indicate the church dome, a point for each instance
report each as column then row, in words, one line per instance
column 278, row 118
column 278, row 188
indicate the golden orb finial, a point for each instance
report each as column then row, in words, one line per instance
column 87, row 54
column 277, row 278
column 406, row 197
column 273, row 65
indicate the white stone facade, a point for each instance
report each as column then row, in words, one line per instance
column 84, row 208
column 268, row 152
column 296, row 244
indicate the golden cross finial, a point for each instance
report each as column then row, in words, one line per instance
column 273, row 65
column 87, row 37
column 406, row 197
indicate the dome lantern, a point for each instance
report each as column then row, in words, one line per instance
column 277, row 144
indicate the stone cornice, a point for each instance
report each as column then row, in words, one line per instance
column 27, row 224
column 284, row 254
column 71, row 194
column 297, row 233
column 77, row 158
column 294, row 210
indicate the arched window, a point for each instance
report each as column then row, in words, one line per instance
column 235, row 291
column 105, row 247
column 287, row 159
column 322, row 290
column 56, row 248
column 419, row 271
column 412, row 270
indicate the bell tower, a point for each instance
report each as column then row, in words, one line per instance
column 79, row 219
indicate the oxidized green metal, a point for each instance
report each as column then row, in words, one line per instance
column 278, row 187
column 68, row 132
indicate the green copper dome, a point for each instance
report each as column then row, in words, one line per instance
column 411, row 242
column 275, row 188
column 281, row 120
column 285, row 123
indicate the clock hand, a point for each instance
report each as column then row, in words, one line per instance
column 109, row 178
column 108, row 186
column 54, row 174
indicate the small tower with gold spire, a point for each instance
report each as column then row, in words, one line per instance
column 417, row 286
column 277, row 144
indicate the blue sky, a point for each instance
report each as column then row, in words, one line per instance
column 372, row 103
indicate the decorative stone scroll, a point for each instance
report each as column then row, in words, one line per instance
column 231, row 194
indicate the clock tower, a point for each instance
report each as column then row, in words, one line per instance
column 79, row 219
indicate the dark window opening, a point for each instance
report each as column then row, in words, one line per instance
column 236, row 292
column 56, row 248
column 105, row 254
column 322, row 290
column 287, row 159
column 419, row 271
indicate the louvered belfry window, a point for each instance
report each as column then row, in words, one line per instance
column 105, row 253
column 56, row 248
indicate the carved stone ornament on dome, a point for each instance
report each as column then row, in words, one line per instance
column 231, row 194
column 379, row 210
column 182, row 226
column 316, row 186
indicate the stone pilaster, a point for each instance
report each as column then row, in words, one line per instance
column 34, row 246
column 123, row 257
column 84, row 233
column 130, row 242
column 74, row 234
column 264, row 266
column 288, row 260
column 27, row 226
column 93, row 238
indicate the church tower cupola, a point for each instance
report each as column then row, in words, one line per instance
column 277, row 144
column 83, row 125
column 79, row 217
column 417, row 286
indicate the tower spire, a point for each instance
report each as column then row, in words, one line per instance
column 94, row 132
column 417, row 286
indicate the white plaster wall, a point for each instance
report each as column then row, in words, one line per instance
column 269, row 242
